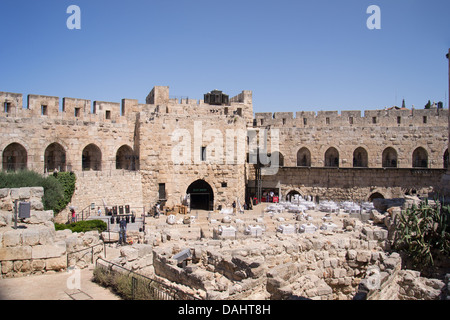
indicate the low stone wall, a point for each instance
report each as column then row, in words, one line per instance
column 30, row 194
column 35, row 247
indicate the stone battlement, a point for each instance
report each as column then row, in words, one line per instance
column 158, row 101
column 387, row 117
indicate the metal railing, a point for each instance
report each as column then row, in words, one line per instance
column 143, row 287
column 85, row 249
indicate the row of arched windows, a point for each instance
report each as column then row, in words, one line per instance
column 15, row 157
column 361, row 158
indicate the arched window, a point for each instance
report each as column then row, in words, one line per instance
column 420, row 158
column 389, row 158
column 54, row 158
column 125, row 158
column 332, row 158
column 92, row 158
column 14, row 157
column 360, row 158
column 303, row 157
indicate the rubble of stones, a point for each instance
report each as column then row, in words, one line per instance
column 351, row 261
column 292, row 255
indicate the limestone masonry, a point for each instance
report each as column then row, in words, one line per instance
column 138, row 154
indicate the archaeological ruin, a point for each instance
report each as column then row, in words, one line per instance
column 264, row 205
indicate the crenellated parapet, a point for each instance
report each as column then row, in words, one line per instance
column 380, row 118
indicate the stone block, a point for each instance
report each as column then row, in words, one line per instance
column 39, row 217
column 7, row 266
column 30, row 237
column 339, row 273
column 36, row 204
column 47, row 251
column 143, row 249
column 129, row 253
column 36, row 192
column 6, row 218
column 14, row 194
column 46, row 236
column 22, row 266
column 4, row 193
column 15, row 253
column 37, row 265
column 56, row 264
column 365, row 216
column 24, row 193
column 363, row 256
column 12, row 238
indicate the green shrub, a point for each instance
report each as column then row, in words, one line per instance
column 83, row 226
column 67, row 181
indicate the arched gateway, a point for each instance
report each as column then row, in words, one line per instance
column 202, row 195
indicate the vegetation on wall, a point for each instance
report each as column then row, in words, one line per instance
column 423, row 233
column 58, row 190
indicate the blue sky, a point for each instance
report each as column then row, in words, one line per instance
column 294, row 55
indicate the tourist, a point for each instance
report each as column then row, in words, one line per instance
column 99, row 212
column 123, row 231
column 73, row 215
column 157, row 210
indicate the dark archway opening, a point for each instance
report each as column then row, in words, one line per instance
column 375, row 195
column 55, row 158
column 92, row 158
column 202, row 195
column 14, row 157
column 291, row 194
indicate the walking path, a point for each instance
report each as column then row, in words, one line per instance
column 75, row 284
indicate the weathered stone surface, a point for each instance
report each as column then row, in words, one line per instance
column 30, row 237
column 4, row 193
column 56, row 264
column 39, row 217
column 15, row 253
column 48, row 251
column 12, row 238
column 129, row 253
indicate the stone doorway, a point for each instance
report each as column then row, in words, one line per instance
column 202, row 195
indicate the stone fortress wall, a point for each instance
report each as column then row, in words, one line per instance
column 386, row 153
column 102, row 142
